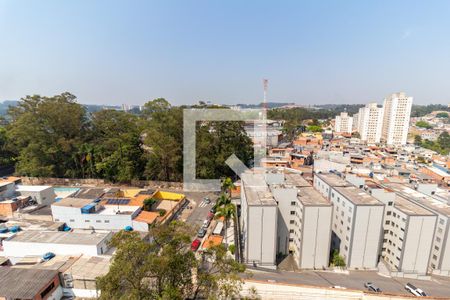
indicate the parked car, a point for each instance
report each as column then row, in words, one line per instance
column 210, row 216
column 201, row 233
column 207, row 200
column 206, row 223
column 213, row 209
column 372, row 287
column 414, row 290
column 195, row 244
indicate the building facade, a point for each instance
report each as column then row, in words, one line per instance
column 370, row 123
column 343, row 123
column 396, row 115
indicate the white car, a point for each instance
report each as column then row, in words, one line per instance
column 414, row 290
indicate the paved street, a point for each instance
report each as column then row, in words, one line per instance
column 437, row 286
column 199, row 211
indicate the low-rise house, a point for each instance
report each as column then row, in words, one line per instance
column 31, row 243
column 41, row 194
column 35, row 284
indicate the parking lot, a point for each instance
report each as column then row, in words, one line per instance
column 437, row 286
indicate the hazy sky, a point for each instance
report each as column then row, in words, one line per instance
column 311, row 51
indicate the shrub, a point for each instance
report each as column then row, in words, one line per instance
column 232, row 248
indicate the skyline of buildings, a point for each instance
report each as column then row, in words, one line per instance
column 389, row 123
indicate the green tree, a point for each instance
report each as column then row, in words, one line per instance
column 219, row 275
column 223, row 200
column 417, row 140
column 314, row 128
column 118, row 155
column 442, row 115
column 337, row 260
column 148, row 203
column 164, row 139
column 423, row 124
column 6, row 155
column 227, row 185
column 47, row 131
column 216, row 142
column 228, row 212
column 166, row 268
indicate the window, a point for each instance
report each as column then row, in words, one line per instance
column 291, row 230
column 56, row 220
column 441, row 221
column 291, row 222
column 98, row 221
column 390, row 203
column 87, row 221
column 349, row 219
column 438, row 239
column 293, row 203
column 292, row 212
column 291, row 240
column 388, row 213
column 47, row 290
column 436, row 247
column 71, row 220
column 388, row 222
column 435, row 257
column 106, row 221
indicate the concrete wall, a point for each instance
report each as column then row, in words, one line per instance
column 284, row 197
column 261, row 235
column 417, row 244
column 366, row 234
column 316, row 235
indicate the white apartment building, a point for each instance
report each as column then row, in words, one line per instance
column 324, row 182
column 396, row 115
column 408, row 233
column 370, row 123
column 258, row 221
column 304, row 222
column 357, row 226
column 343, row 123
column 87, row 214
column 356, row 223
column 355, row 122
column 440, row 253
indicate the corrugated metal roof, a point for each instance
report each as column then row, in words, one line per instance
column 23, row 283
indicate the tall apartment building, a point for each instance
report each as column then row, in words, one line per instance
column 284, row 215
column 396, row 115
column 355, row 122
column 258, row 221
column 304, row 222
column 343, row 123
column 440, row 252
column 408, row 232
column 370, row 123
column 356, row 223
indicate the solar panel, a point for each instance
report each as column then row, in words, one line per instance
column 118, row 201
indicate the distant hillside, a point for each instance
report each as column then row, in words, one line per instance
column 269, row 105
column 5, row 105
